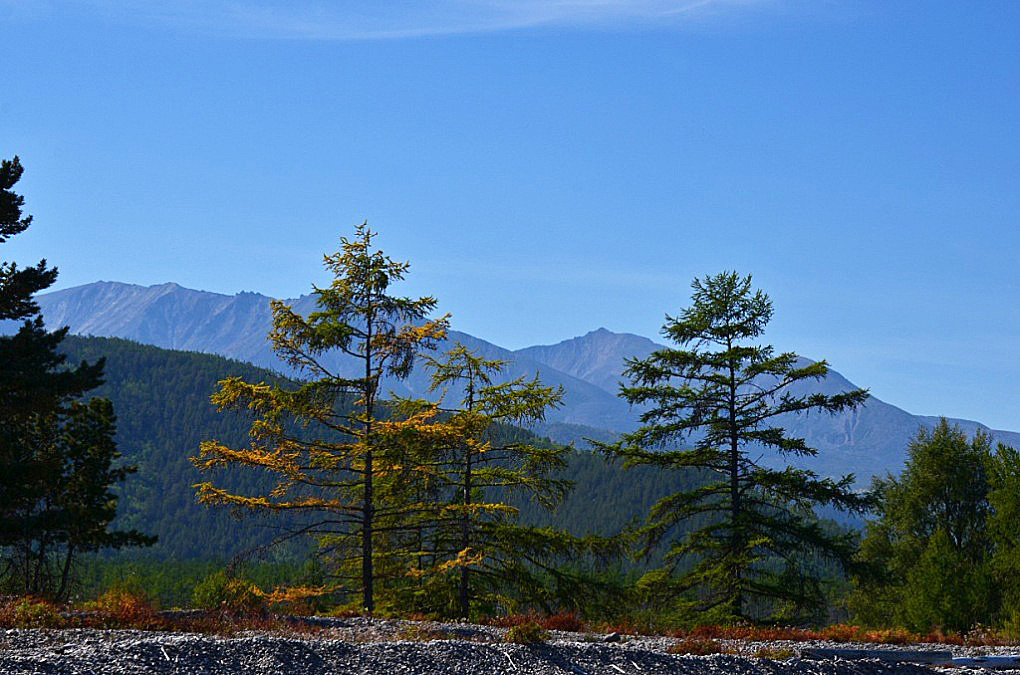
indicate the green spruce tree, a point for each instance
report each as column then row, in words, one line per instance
column 748, row 534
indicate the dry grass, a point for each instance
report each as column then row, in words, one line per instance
column 421, row 632
column 775, row 653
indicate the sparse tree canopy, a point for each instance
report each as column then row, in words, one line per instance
column 473, row 534
column 331, row 442
column 712, row 408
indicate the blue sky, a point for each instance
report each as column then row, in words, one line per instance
column 552, row 167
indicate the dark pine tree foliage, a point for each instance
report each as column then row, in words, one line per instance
column 743, row 542
column 31, row 377
column 55, row 453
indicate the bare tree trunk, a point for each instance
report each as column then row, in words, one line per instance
column 465, row 534
column 736, row 543
column 65, row 576
column 465, row 523
column 367, row 573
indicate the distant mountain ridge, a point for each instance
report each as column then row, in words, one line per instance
column 869, row 441
column 595, row 357
column 235, row 326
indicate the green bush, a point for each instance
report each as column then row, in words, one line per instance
column 30, row 612
column 220, row 592
column 528, row 633
column 696, row 647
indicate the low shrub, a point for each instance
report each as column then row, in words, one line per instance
column 891, row 636
column 235, row 596
column 122, row 608
column 696, row 647
column 343, row 612
column 775, row 653
column 528, row 633
column 842, row 632
column 29, row 612
column 416, row 632
column 565, row 622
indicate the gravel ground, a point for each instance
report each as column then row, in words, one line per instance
column 379, row 646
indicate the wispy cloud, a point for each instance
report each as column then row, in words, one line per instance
column 381, row 19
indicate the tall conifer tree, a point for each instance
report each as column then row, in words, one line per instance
column 713, row 403
column 330, row 441
column 31, row 376
column 54, row 477
column 475, row 533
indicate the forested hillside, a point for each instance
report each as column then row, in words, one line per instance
column 161, row 398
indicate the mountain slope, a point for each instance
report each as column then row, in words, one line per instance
column 871, row 440
column 161, row 399
column 598, row 357
column 173, row 317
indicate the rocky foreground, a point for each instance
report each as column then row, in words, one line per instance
column 379, row 646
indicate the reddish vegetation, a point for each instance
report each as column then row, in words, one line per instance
column 563, row 621
column 751, row 633
column 837, row 633
column 568, row 622
column 120, row 609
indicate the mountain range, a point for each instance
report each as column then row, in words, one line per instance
column 869, row 441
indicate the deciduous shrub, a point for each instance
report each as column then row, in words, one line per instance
column 122, row 608
column 29, row 612
column 564, row 621
column 528, row 633
column 697, row 647
column 237, row 596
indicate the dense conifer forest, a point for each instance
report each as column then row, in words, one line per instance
column 163, row 413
